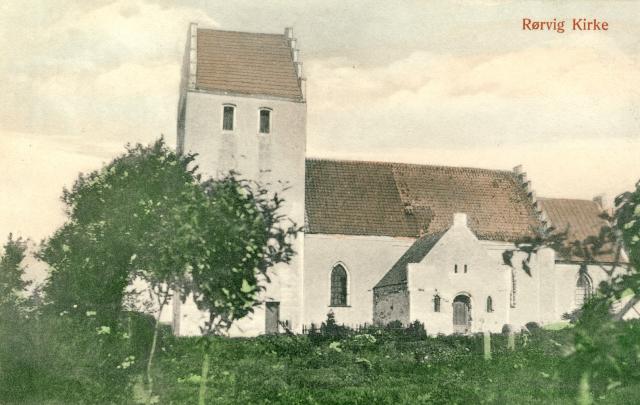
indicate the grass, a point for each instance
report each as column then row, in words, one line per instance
column 294, row 370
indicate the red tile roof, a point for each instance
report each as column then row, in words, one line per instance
column 395, row 199
column 581, row 218
column 418, row 251
column 246, row 63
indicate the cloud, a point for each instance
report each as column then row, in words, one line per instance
column 80, row 79
column 562, row 106
column 561, row 89
column 409, row 81
column 111, row 70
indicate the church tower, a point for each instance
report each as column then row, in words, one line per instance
column 242, row 107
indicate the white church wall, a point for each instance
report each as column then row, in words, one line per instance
column 535, row 298
column 566, row 279
column 525, row 306
column 436, row 275
column 187, row 319
column 547, row 287
column 366, row 259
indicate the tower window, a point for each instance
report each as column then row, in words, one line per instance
column 228, row 117
column 338, row 286
column 489, row 304
column 455, row 268
column 265, row 121
column 465, row 268
column 436, row 303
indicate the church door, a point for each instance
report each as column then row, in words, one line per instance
column 461, row 314
column 272, row 318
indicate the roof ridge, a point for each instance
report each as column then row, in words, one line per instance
column 565, row 199
column 240, row 32
column 379, row 162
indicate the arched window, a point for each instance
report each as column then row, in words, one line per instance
column 338, row 286
column 265, row 121
column 584, row 289
column 228, row 112
column 489, row 304
column 513, row 289
column 436, row 303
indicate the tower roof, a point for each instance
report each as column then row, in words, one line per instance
column 246, row 63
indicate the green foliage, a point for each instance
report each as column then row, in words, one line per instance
column 65, row 359
column 271, row 370
column 330, row 331
column 131, row 218
column 243, row 234
column 628, row 222
column 606, row 354
column 12, row 284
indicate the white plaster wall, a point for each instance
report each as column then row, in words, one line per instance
column 435, row 274
column 276, row 160
column 366, row 258
column 191, row 319
column 535, row 294
column 566, row 279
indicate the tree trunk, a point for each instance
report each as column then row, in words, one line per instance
column 584, row 390
column 626, row 308
column 153, row 351
column 204, row 375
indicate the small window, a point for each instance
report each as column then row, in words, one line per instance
column 338, row 286
column 265, row 121
column 465, row 268
column 227, row 117
column 514, row 286
column 489, row 304
column 436, row 303
column 455, row 268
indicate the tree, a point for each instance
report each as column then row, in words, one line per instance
column 146, row 215
column 245, row 236
column 605, row 350
column 133, row 219
column 12, row 284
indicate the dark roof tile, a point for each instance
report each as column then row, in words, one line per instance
column 415, row 254
column 580, row 218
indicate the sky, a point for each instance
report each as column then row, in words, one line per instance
column 433, row 82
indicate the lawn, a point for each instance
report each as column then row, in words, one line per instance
column 374, row 369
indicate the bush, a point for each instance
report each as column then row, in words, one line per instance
column 329, row 331
column 360, row 342
column 66, row 359
column 532, row 326
column 286, row 346
column 416, row 330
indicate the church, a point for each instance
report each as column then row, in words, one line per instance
column 382, row 241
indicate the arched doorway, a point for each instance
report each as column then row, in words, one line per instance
column 461, row 314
